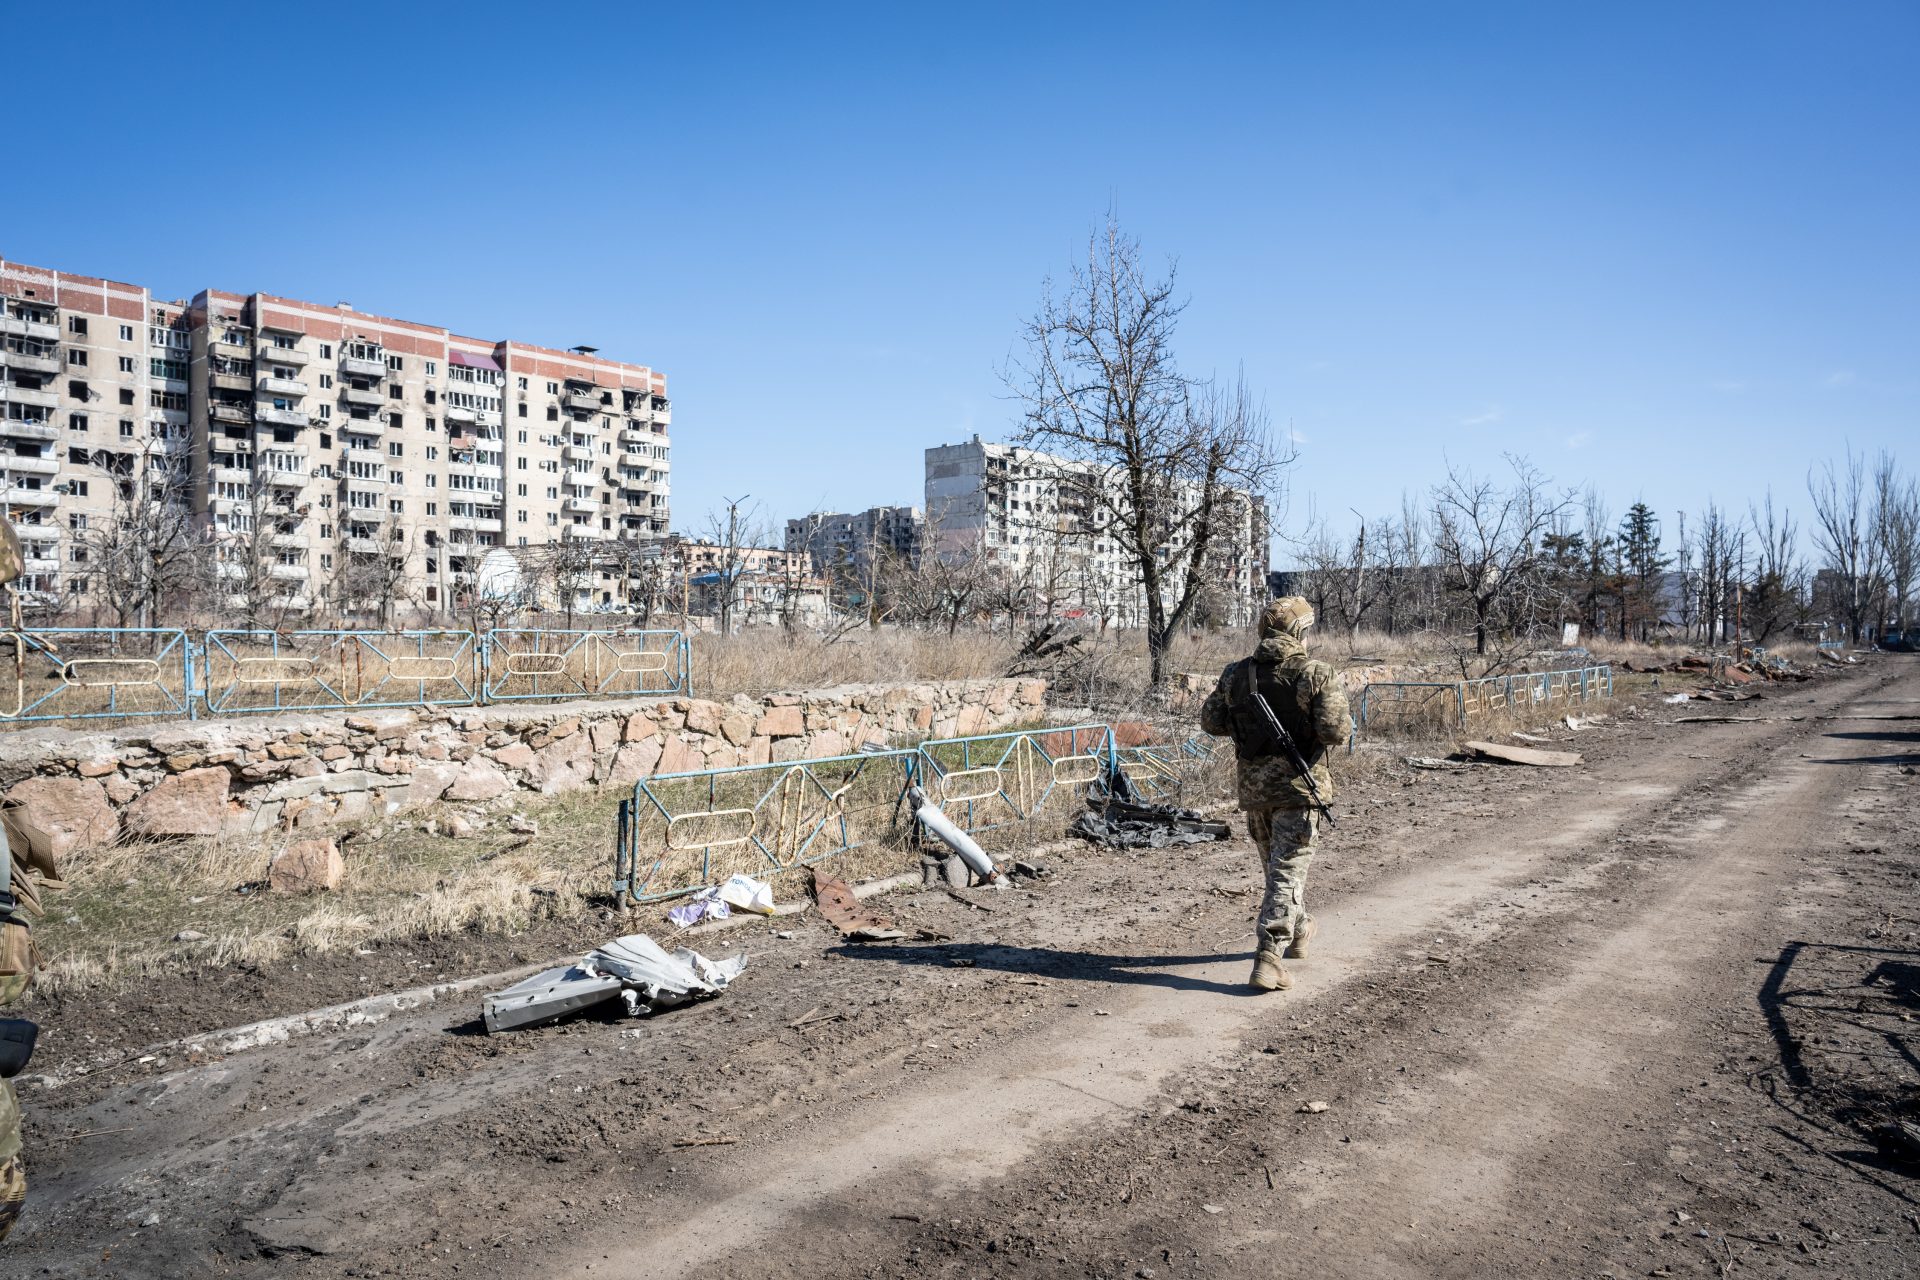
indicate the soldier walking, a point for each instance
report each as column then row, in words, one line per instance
column 1282, row 819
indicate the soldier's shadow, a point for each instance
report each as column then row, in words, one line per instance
column 1048, row 962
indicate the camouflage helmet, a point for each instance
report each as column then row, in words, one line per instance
column 11, row 563
column 1290, row 615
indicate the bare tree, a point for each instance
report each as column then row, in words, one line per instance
column 373, row 578
column 1777, row 598
column 1487, row 538
column 733, row 538
column 149, row 558
column 249, row 548
column 1896, row 534
column 1843, row 533
column 949, row 588
column 1155, row 452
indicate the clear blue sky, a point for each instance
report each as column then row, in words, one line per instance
column 1673, row 250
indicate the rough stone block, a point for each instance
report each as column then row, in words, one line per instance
column 65, row 813
column 306, row 866
column 781, row 722
column 192, row 803
column 480, row 780
column 704, row 716
column 517, row 756
column 633, row 762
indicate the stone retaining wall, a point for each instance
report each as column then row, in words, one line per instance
column 270, row 773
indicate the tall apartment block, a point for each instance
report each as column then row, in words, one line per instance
column 356, row 439
column 848, row 542
column 1034, row 514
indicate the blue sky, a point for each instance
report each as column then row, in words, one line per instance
column 1669, row 250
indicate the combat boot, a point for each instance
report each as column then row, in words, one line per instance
column 1268, row 973
column 1302, row 935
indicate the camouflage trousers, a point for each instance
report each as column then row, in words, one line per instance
column 1284, row 840
column 13, row 1193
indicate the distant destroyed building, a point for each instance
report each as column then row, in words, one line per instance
column 851, row 543
column 1036, row 516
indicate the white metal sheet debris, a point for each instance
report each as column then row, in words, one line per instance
column 635, row 967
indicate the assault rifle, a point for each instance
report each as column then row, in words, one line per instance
column 1294, row 757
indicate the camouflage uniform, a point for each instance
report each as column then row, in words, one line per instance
column 1307, row 698
column 19, row 901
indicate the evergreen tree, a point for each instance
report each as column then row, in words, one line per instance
column 1643, row 563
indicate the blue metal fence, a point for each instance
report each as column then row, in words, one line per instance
column 702, row 827
column 320, row 670
column 698, row 828
column 96, row 673
column 114, row 673
column 526, row 663
column 1486, row 694
column 989, row 780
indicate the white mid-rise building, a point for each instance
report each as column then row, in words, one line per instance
column 1036, row 516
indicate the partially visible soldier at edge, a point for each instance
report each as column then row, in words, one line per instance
column 1307, row 699
column 19, row 901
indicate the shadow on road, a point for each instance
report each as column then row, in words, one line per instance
column 1847, row 1064
column 1047, row 962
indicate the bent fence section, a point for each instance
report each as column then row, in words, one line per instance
column 1466, row 699
column 681, row 832
column 117, row 673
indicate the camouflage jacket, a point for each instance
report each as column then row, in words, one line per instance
column 1321, row 704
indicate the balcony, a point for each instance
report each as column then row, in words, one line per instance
column 488, row 417
column 578, row 453
column 662, row 414
column 581, row 506
column 282, row 355
column 238, row 413
column 479, row 524
column 20, row 464
column 288, row 541
column 458, row 413
column 582, row 401
column 281, row 417
column 28, row 429
column 359, row 426
column 27, row 327
column 364, row 398
column 273, row 386
column 230, row 475
column 42, row 564
column 635, row 435
column 361, row 367
column 282, row 476
column 20, row 496
column 367, row 484
column 288, row 572
column 40, row 397
column 27, row 362
column 583, row 533
column 231, row 380
column 363, row 546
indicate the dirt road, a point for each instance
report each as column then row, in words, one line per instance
column 1634, row 1018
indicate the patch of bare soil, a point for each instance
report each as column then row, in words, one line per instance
column 1561, row 1021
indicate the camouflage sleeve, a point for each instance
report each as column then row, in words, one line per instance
column 1213, row 712
column 1329, row 710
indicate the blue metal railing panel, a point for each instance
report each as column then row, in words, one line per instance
column 96, row 673
column 546, row 664
column 992, row 779
column 254, row 671
column 1484, row 694
column 701, row 827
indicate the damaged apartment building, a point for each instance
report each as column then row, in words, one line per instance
column 315, row 438
column 1037, row 516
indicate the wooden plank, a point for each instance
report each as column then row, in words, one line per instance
column 1523, row 755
